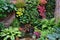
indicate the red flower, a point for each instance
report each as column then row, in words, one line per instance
column 41, row 10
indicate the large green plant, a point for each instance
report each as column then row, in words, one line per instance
column 44, row 23
column 10, row 33
column 6, row 8
column 30, row 11
column 48, row 27
column 51, row 34
column 47, row 24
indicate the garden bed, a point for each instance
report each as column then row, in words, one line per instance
column 32, row 20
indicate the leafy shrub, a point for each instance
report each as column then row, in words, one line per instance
column 30, row 12
column 44, row 26
column 52, row 33
column 6, row 8
column 44, row 33
column 22, row 17
column 44, row 23
column 48, row 23
column 10, row 33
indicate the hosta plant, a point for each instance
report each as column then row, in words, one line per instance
column 44, row 23
column 47, row 24
column 10, row 33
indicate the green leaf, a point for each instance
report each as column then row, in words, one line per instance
column 5, row 8
column 44, row 26
column 6, row 37
column 12, row 37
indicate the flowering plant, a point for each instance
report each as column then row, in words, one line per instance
column 20, row 12
column 41, row 8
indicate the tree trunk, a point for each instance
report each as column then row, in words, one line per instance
column 57, row 10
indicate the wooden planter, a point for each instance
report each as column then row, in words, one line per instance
column 8, row 20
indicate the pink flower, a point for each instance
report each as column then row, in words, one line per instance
column 37, row 34
column 41, row 10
